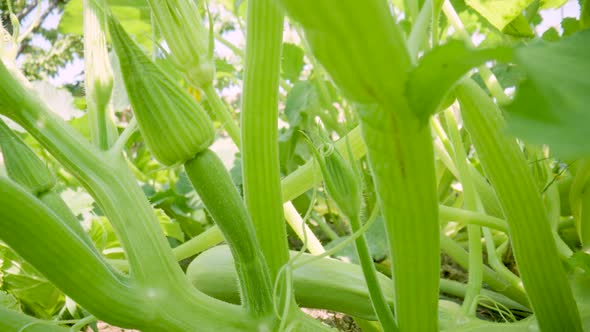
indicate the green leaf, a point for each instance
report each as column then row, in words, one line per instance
column 302, row 98
column 499, row 13
column 33, row 291
column 376, row 239
column 570, row 26
column 585, row 14
column 169, row 227
column 508, row 75
column 8, row 301
column 546, row 4
column 551, row 35
column 292, row 62
column 519, row 27
column 134, row 15
column 439, row 71
column 551, row 105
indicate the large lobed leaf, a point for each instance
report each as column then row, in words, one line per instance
column 552, row 105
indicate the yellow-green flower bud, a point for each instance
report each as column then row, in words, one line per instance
column 340, row 180
column 22, row 165
column 173, row 124
column 189, row 41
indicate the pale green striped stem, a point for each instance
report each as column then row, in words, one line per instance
column 471, row 203
column 534, row 248
column 260, row 154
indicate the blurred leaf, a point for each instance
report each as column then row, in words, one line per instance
column 134, row 15
column 551, row 35
column 301, row 98
column 80, row 202
column 519, row 27
column 292, row 62
column 585, row 14
column 551, row 105
column 546, row 4
column 499, row 13
column 236, row 173
column 119, row 98
column 9, row 301
column 102, row 235
column 81, row 125
column 183, row 186
column 18, row 278
column 570, row 26
column 507, row 74
column 169, row 227
column 376, row 239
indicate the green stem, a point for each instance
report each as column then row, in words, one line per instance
column 223, row 115
column 456, row 288
column 496, row 263
column 490, row 277
column 471, row 203
column 312, row 243
column 260, row 154
column 208, row 239
column 534, row 248
column 119, row 145
column 472, row 218
column 401, row 157
column 39, row 236
column 222, row 200
column 380, row 305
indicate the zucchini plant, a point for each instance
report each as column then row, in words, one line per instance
column 460, row 204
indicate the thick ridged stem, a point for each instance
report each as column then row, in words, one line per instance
column 219, row 194
column 535, row 251
column 39, row 236
column 260, row 153
column 401, row 156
